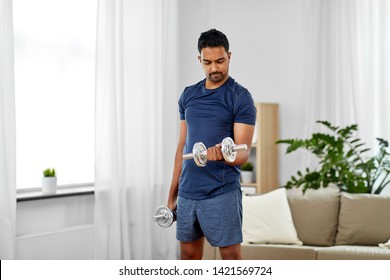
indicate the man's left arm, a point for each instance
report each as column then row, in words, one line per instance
column 243, row 134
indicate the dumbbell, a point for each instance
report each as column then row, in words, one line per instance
column 229, row 151
column 164, row 216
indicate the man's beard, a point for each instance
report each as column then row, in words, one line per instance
column 216, row 77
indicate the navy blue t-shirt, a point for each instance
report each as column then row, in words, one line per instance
column 210, row 115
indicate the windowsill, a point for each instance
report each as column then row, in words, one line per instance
column 62, row 191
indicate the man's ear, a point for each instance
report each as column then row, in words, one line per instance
column 229, row 55
column 200, row 59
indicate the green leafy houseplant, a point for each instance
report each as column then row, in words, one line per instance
column 247, row 166
column 49, row 181
column 343, row 161
column 49, row 172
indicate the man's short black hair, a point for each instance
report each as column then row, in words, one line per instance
column 213, row 38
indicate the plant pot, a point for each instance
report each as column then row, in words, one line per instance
column 49, row 185
column 246, row 176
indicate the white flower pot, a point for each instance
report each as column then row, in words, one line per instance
column 49, row 185
column 246, row 176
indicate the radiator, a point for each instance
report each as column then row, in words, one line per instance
column 72, row 243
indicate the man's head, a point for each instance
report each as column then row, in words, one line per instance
column 213, row 38
column 214, row 56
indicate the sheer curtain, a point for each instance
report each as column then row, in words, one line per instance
column 136, row 127
column 7, row 134
column 348, row 61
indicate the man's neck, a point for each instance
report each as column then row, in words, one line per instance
column 211, row 85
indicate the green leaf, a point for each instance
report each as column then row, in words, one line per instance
column 341, row 160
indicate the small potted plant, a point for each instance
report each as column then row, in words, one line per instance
column 247, row 172
column 49, row 181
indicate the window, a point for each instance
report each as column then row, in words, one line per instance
column 54, row 44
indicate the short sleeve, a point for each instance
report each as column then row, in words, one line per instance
column 245, row 110
column 181, row 107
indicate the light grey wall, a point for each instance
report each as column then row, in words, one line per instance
column 267, row 45
column 42, row 227
column 47, row 215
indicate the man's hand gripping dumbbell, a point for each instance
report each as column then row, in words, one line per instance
column 228, row 148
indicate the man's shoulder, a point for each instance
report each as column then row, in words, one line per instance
column 189, row 92
column 196, row 86
column 236, row 87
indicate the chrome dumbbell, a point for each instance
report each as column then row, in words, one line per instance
column 164, row 216
column 229, row 151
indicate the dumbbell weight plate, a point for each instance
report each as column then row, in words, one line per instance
column 164, row 216
column 227, row 149
column 199, row 152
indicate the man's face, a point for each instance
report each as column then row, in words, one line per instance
column 215, row 63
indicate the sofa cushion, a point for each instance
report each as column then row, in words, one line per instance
column 364, row 219
column 267, row 219
column 348, row 252
column 266, row 252
column 278, row 252
column 315, row 215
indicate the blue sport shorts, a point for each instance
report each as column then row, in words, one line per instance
column 219, row 219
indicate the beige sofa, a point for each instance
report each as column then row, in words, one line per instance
column 320, row 225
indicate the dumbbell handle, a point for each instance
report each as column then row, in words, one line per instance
column 236, row 148
column 241, row 147
column 159, row 217
column 191, row 155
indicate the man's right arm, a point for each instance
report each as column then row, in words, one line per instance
column 174, row 189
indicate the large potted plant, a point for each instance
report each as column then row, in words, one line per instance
column 247, row 172
column 343, row 160
column 49, row 181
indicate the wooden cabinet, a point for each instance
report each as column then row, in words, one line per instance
column 264, row 151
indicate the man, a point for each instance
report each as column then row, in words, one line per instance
column 209, row 201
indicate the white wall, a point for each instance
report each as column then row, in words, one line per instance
column 47, row 215
column 55, row 228
column 267, row 45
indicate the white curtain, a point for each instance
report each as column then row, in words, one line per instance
column 7, row 134
column 136, row 127
column 348, row 62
